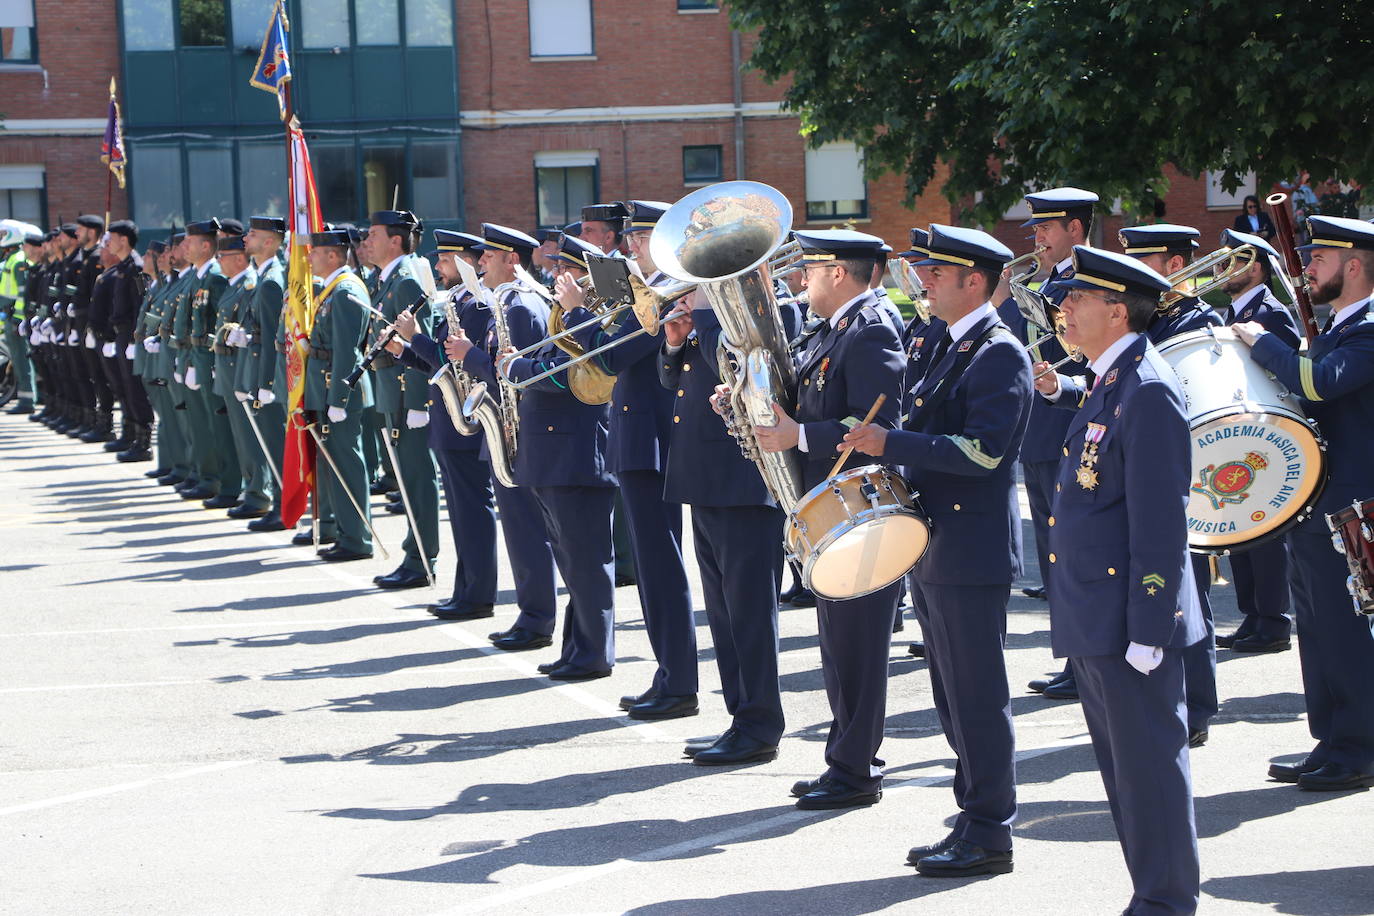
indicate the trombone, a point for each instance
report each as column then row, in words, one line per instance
column 1038, row 310
column 900, row 271
column 1223, row 265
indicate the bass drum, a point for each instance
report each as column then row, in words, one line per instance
column 857, row 532
column 1258, row 463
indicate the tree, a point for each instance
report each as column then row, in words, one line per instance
column 1010, row 93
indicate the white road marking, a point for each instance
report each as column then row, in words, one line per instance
column 123, row 787
column 236, row 623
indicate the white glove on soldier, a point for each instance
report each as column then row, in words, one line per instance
column 242, row 395
column 417, row 419
column 71, row 338
column 152, row 344
column 108, row 351
column 237, row 338
column 337, row 414
column 266, row 396
column 177, row 375
column 191, row 379
column 90, row 340
column 1144, row 658
column 129, row 352
column 35, row 338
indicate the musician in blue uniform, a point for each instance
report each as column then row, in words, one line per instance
column 1124, row 605
column 641, row 411
column 1260, row 574
column 855, row 357
column 466, row 476
column 958, row 447
column 522, row 520
column 1336, row 380
column 1060, row 218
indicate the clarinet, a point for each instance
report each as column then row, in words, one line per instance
column 380, row 346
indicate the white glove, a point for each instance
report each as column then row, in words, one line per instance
column 107, row 351
column 1144, row 658
column 337, row 414
column 417, row 419
column 237, row 338
column 191, row 378
column 71, row 310
column 242, row 395
column 71, row 338
column 35, row 338
column 90, row 340
column 265, row 396
column 46, row 326
column 177, row 375
column 24, row 328
column 129, row 352
column 152, row 344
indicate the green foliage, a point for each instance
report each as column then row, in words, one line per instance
column 1012, row 93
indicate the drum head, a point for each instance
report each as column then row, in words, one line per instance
column 1253, row 475
column 869, row 556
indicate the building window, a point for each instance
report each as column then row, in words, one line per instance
column 202, row 23
column 697, row 6
column 262, row 179
column 561, row 28
column 336, row 179
column 155, row 177
column 384, row 169
column 22, row 193
column 564, row 183
column 379, row 22
column 701, row 164
column 210, row 180
column 249, row 18
column 434, row 177
column 1218, row 198
column 324, row 24
column 17, row 34
column 835, row 186
column 148, row 25
column 429, row 23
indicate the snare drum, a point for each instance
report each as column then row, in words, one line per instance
column 1352, row 534
column 1258, row 463
column 857, row 532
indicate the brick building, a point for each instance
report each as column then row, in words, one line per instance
column 509, row 111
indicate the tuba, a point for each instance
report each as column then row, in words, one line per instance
column 716, row 239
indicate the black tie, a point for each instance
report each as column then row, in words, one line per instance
column 940, row 350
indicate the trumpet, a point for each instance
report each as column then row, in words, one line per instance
column 785, row 259
column 1223, row 265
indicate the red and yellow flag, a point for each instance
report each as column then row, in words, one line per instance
column 298, row 315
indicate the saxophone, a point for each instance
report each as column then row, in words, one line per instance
column 498, row 420
column 453, row 383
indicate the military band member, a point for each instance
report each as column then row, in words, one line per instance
column 341, row 320
column 958, row 447
column 1124, row 605
column 403, row 394
column 1336, row 380
column 258, row 362
column 465, row 473
column 522, row 521
column 136, row 437
column 86, row 348
column 854, row 358
column 1260, row 574
column 230, row 342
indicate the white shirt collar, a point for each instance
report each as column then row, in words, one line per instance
column 386, row 271
column 839, row 312
column 184, row 271
column 202, row 269
column 1361, row 306
column 1063, row 265
column 965, row 324
column 330, row 279
column 1109, row 356
column 233, row 281
column 1247, row 298
column 265, row 262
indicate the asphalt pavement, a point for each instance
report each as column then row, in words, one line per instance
column 195, row 719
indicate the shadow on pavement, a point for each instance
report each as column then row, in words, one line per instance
column 416, row 698
column 370, row 667
column 849, row 898
column 1318, row 892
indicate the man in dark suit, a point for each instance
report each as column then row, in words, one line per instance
column 958, row 447
column 1124, row 604
column 1336, row 380
column 855, row 357
column 1261, row 573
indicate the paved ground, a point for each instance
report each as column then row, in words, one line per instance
column 197, row 719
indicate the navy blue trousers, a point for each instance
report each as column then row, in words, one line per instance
column 664, row 594
column 531, row 558
column 1336, row 649
column 1139, row 730
column 472, row 521
column 856, row 636
column 739, row 556
column 578, row 520
column 965, row 629
column 1200, row 659
column 1262, row 593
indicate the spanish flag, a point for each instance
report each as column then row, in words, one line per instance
column 298, row 314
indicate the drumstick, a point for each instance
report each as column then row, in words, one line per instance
column 844, row 455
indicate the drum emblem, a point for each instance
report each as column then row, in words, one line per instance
column 1229, row 483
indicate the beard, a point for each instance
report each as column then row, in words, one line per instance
column 1329, row 291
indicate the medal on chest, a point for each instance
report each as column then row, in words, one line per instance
column 1087, row 466
column 820, row 376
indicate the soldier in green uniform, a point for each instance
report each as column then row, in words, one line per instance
column 184, row 474
column 258, row 362
column 341, row 320
column 403, row 393
column 230, row 340
column 147, row 347
column 193, row 325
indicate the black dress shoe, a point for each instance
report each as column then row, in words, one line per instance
column 169, row 480
column 341, row 554
column 199, row 492
column 917, row 853
column 155, row 473
column 461, row 610
column 665, row 707
column 396, row 508
column 735, row 747
column 1034, row 591
column 246, row 511
column 1197, row 737
column 963, row 859
column 220, row 501
column 802, row 597
column 916, row 650
column 401, row 578
column 1226, row 641
column 693, row 748
column 186, row 483
column 805, row 786
column 1290, row 772
column 632, row 700
column 519, row 639
column 306, row 539
column 1063, row 689
column 1261, row 644
column 898, row 625
column 492, row 636
column 1335, row 778
column 269, row 522
column 567, row 672
column 834, row 793
column 546, row 667
column 625, row 579
column 382, row 487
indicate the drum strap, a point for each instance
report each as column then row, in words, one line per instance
column 951, row 378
